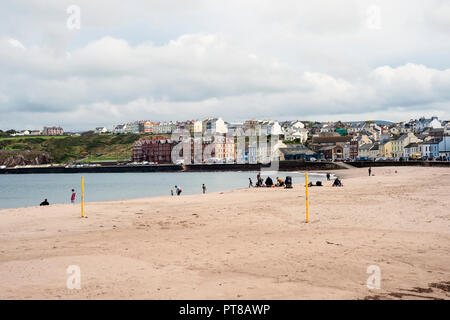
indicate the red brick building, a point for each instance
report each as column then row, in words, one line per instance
column 159, row 150
column 354, row 148
column 154, row 150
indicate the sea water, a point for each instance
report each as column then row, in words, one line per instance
column 23, row 190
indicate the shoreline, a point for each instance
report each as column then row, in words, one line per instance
column 184, row 194
column 240, row 244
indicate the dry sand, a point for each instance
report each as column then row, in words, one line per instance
column 242, row 244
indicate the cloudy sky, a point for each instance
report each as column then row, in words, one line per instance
column 236, row 59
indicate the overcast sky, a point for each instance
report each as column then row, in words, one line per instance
column 235, row 59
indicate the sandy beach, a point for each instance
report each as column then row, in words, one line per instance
column 241, row 244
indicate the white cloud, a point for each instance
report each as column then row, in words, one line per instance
column 16, row 43
column 175, row 60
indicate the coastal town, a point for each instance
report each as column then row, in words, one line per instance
column 425, row 139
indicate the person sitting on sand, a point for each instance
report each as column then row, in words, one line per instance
column 337, row 183
column 44, row 203
column 269, row 182
column 280, row 182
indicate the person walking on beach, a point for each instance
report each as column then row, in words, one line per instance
column 177, row 190
column 250, row 182
column 370, row 171
column 204, row 188
column 171, row 192
column 328, row 176
column 258, row 180
column 74, row 195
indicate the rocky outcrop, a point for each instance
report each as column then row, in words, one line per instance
column 18, row 158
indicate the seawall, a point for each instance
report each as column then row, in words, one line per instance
column 291, row 165
column 283, row 166
column 365, row 164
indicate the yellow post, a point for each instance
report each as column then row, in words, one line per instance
column 82, row 197
column 307, row 201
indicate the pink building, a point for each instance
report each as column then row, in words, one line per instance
column 53, row 131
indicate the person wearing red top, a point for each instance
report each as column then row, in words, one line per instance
column 72, row 199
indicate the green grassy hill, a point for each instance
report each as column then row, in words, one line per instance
column 62, row 149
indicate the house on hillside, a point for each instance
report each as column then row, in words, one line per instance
column 100, row 130
column 120, row 128
column 212, row 126
column 399, row 144
column 53, row 131
column 411, row 149
column 430, row 148
column 331, row 146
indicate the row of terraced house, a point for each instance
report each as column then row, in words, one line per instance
column 305, row 140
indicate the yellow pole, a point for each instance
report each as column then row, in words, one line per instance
column 307, row 201
column 82, row 197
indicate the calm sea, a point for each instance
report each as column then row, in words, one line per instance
column 24, row 190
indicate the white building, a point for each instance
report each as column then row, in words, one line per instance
column 120, row 128
column 100, row 130
column 21, row 133
column 411, row 149
column 430, row 148
column 422, row 124
column 198, row 126
column 291, row 135
column 214, row 126
column 274, row 128
column 444, row 147
column 296, row 125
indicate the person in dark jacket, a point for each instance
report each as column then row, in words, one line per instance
column 337, row 183
column 269, row 182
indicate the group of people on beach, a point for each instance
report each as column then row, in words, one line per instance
column 267, row 183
